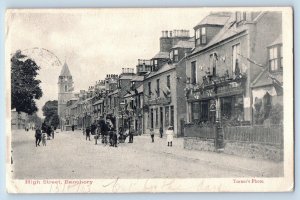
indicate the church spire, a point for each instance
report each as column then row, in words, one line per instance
column 65, row 70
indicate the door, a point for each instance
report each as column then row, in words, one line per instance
column 182, row 122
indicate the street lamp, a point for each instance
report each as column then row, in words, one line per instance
column 122, row 106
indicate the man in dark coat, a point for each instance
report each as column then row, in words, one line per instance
column 73, row 127
column 87, row 133
column 38, row 136
column 49, row 131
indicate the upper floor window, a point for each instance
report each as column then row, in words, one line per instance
column 275, row 58
column 149, row 88
column 175, row 58
column 236, row 51
column 168, row 82
column 66, row 88
column 157, row 88
column 193, row 73
column 201, row 36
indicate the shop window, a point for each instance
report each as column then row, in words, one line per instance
column 195, row 111
column 167, row 116
column 172, row 116
column 151, row 119
column 156, row 117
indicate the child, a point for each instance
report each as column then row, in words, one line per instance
column 44, row 139
column 152, row 134
column 170, row 134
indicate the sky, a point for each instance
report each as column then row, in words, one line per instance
column 93, row 42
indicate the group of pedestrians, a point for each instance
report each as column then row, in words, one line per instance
column 169, row 133
column 44, row 133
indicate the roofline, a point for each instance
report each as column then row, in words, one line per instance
column 217, row 44
column 258, row 77
column 160, row 73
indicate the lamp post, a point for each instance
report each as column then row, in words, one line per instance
column 122, row 106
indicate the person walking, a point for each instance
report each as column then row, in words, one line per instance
column 87, row 133
column 52, row 131
column 161, row 131
column 73, row 128
column 130, row 136
column 38, row 136
column 170, row 134
column 152, row 134
column 48, row 132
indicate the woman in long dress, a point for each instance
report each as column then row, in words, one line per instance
column 170, row 134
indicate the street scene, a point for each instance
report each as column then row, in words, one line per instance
column 79, row 158
column 199, row 96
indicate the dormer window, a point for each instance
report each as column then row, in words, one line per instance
column 203, row 35
column 275, row 58
column 175, row 58
column 200, row 36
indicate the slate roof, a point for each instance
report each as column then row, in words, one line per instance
column 229, row 30
column 164, row 68
column 162, row 55
column 219, row 18
column 263, row 79
column 65, row 70
column 138, row 78
column 277, row 41
column 187, row 44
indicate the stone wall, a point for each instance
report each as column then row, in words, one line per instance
column 199, row 144
column 238, row 148
column 254, row 150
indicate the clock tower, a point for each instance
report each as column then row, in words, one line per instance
column 65, row 89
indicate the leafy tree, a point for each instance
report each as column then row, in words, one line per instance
column 25, row 87
column 50, row 111
column 34, row 118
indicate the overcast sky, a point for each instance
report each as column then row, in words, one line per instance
column 93, row 42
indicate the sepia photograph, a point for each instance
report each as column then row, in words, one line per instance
column 149, row 100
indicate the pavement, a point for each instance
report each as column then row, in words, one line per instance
column 69, row 155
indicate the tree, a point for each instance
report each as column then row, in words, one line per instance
column 25, row 88
column 50, row 111
column 34, row 118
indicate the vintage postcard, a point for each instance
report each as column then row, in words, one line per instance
column 149, row 100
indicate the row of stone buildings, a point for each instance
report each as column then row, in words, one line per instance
column 229, row 71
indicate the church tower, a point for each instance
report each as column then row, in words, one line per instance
column 65, row 89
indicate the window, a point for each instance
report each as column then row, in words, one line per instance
column 66, row 88
column 166, row 116
column 176, row 58
column 197, row 36
column 157, row 88
column 236, row 51
column 193, row 73
column 275, row 58
column 195, row 111
column 168, row 82
column 172, row 116
column 151, row 122
column 203, row 35
column 149, row 89
column 171, row 55
column 213, row 63
column 156, row 117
